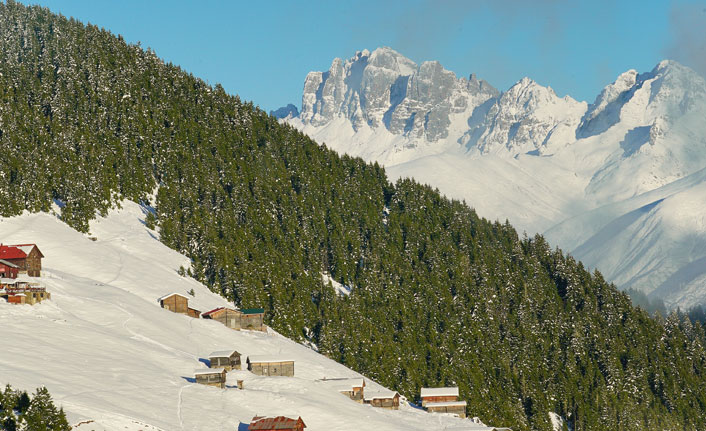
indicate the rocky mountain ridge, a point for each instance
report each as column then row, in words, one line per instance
column 527, row 155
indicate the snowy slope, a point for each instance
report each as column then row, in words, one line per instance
column 114, row 359
column 546, row 163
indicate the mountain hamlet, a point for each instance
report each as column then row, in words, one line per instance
column 617, row 183
column 170, row 214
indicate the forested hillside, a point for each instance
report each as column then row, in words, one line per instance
column 439, row 296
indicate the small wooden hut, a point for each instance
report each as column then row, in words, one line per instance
column 351, row 387
column 211, row 377
column 227, row 316
column 228, row 359
column 253, row 319
column 192, row 312
column 383, row 398
column 438, row 395
column 271, row 366
column 249, row 318
column 279, row 423
column 175, row 302
column 457, row 408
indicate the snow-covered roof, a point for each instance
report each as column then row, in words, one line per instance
column 10, row 264
column 202, row 371
column 369, row 395
column 447, row 404
column 209, row 312
column 439, row 392
column 267, row 359
column 222, row 354
column 346, row 384
column 26, row 248
column 161, row 298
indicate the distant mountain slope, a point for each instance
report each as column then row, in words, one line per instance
column 438, row 295
column 531, row 157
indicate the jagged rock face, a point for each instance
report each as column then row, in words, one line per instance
column 289, row 111
column 386, row 89
column 525, row 119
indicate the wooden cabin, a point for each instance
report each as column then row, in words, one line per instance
column 457, row 408
column 253, row 319
column 279, row 423
column 271, row 366
column 27, row 257
column 384, row 399
column 228, row 359
column 8, row 269
column 227, row 316
column 249, row 318
column 438, row 395
column 211, row 377
column 351, row 387
column 192, row 312
column 175, row 302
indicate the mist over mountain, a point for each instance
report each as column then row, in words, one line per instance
column 605, row 180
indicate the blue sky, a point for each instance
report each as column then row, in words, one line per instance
column 263, row 50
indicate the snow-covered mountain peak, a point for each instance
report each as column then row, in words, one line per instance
column 540, row 160
column 527, row 118
column 386, row 90
column 388, row 58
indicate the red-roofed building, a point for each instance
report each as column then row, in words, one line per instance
column 8, row 269
column 280, row 423
column 27, row 257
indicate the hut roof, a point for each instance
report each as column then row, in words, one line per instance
column 10, row 264
column 447, row 404
column 439, row 392
column 17, row 251
column 27, row 248
column 276, row 423
column 379, row 394
column 202, row 371
column 223, row 354
column 11, row 252
column 216, row 310
column 259, row 359
column 252, row 310
column 162, row 298
column 346, row 384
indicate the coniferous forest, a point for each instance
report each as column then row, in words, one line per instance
column 439, row 295
column 19, row 411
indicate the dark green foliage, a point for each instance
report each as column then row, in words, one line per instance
column 38, row 413
column 440, row 296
